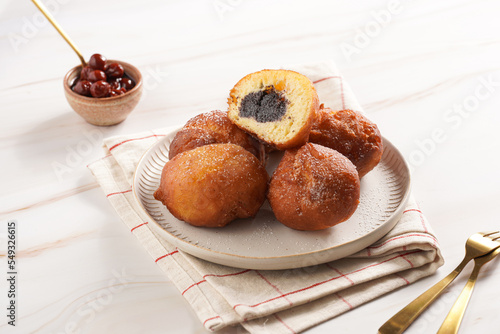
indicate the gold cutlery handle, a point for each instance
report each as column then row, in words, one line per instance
column 454, row 318
column 52, row 21
column 456, row 314
column 401, row 320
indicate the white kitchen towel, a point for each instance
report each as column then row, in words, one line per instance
column 284, row 301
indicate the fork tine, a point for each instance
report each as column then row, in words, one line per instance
column 494, row 236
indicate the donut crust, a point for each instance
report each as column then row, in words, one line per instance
column 314, row 188
column 211, row 128
column 350, row 133
column 212, row 185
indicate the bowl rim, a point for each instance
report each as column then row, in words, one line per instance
column 138, row 83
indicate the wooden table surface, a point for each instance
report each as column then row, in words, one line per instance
column 426, row 72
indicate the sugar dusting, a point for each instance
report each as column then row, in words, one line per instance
column 264, row 236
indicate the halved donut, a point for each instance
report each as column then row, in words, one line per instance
column 276, row 106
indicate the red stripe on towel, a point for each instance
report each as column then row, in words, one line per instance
column 340, row 273
column 284, row 324
column 407, row 282
column 411, row 264
column 133, row 228
column 421, row 218
column 404, row 236
column 343, row 299
column 204, row 322
column 326, row 281
column 164, row 256
column 225, row 275
column 342, row 97
column 332, row 77
column 119, row 192
column 214, row 275
column 132, row 139
column 189, row 287
column 274, row 287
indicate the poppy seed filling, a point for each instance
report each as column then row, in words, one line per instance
column 264, row 106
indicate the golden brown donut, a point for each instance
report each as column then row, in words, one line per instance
column 313, row 188
column 276, row 106
column 210, row 128
column 351, row 134
column 212, row 185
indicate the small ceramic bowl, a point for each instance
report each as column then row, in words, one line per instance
column 104, row 111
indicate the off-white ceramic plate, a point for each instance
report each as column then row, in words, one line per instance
column 264, row 243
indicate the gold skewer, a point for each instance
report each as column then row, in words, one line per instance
column 52, row 21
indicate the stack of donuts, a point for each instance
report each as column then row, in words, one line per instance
column 216, row 170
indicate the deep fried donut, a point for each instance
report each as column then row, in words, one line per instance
column 212, row 185
column 351, row 134
column 277, row 106
column 313, row 188
column 211, row 128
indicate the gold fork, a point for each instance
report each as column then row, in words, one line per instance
column 454, row 318
column 477, row 245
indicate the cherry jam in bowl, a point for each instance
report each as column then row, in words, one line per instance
column 104, row 100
